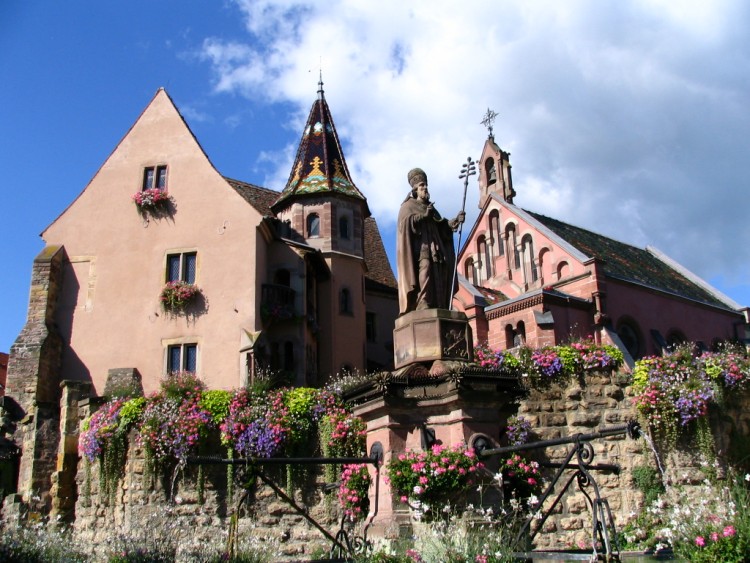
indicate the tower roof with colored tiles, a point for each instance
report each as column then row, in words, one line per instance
column 319, row 167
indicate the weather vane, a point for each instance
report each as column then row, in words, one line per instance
column 489, row 120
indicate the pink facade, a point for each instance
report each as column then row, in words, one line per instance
column 530, row 279
column 272, row 295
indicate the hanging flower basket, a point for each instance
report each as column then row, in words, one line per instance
column 151, row 200
column 177, row 295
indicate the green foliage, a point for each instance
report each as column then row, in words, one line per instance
column 571, row 359
column 131, row 412
column 216, row 402
column 649, row 482
column 181, row 385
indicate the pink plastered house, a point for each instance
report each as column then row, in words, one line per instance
column 295, row 281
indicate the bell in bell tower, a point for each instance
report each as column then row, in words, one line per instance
column 494, row 173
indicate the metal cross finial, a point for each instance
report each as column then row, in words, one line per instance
column 489, row 120
column 468, row 169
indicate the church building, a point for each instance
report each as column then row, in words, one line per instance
column 528, row 279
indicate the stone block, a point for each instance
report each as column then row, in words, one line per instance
column 553, row 420
column 569, row 524
column 589, row 419
column 432, row 334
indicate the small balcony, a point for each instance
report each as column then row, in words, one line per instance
column 277, row 303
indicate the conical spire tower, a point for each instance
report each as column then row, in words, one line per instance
column 319, row 167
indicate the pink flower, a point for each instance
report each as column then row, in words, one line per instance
column 729, row 532
column 699, row 541
column 481, row 559
column 714, row 536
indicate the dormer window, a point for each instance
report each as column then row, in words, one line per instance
column 155, row 177
column 313, row 225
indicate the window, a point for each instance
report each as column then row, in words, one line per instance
column 313, row 225
column 345, row 302
column 485, row 256
column 155, row 177
column 630, row 334
column 370, row 325
column 514, row 257
column 471, row 271
column 495, row 232
column 182, row 357
column 529, row 265
column 181, row 267
column 344, row 227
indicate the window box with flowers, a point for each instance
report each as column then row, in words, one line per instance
column 177, row 295
column 153, row 200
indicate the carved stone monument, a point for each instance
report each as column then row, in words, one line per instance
column 427, row 331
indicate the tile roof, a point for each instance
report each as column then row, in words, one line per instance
column 378, row 266
column 260, row 198
column 629, row 263
column 319, row 166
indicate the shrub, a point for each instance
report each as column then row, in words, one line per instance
column 427, row 479
column 354, row 491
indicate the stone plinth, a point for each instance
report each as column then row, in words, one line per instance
column 411, row 418
column 430, row 335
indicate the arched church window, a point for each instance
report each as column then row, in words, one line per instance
column 485, row 256
column 470, row 271
column 520, row 339
column 510, row 336
column 495, row 232
column 313, row 225
column 513, row 247
column 630, row 334
column 529, row 265
column 675, row 338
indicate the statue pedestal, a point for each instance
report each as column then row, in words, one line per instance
column 430, row 335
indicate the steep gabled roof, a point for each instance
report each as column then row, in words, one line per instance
column 319, row 167
column 378, row 266
column 260, row 198
column 629, row 263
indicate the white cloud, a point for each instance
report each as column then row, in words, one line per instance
column 625, row 118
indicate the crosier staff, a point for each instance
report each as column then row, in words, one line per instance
column 468, row 169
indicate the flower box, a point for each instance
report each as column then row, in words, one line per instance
column 177, row 295
column 151, row 199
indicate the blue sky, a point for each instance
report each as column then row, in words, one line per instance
column 626, row 118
